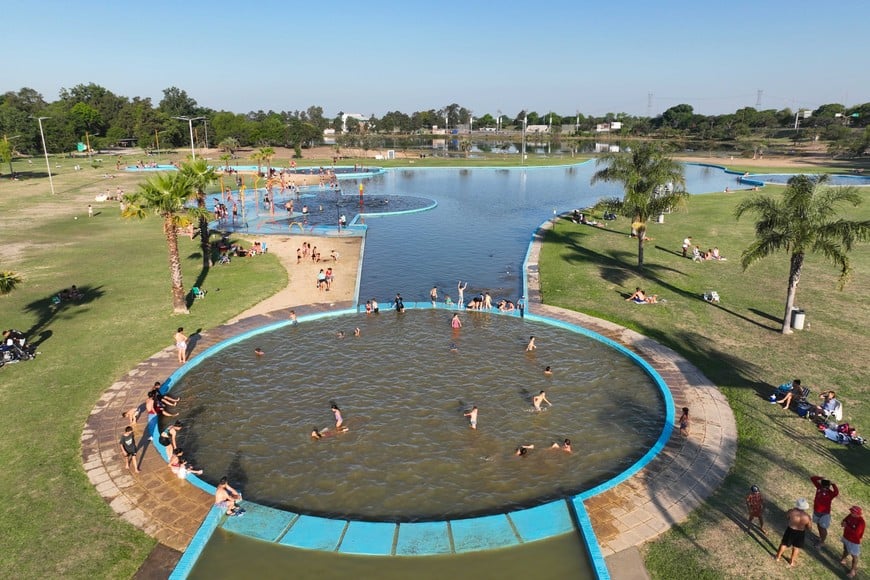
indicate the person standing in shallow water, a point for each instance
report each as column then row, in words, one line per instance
column 460, row 288
column 455, row 323
column 433, row 295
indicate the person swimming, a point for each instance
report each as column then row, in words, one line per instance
column 259, row 351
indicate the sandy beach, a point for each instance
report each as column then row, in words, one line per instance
column 302, row 278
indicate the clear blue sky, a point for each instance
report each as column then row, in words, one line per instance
column 379, row 56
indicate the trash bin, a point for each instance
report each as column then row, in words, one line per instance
column 661, row 218
column 798, row 318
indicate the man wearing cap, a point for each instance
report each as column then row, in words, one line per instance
column 825, row 494
column 853, row 531
column 755, row 505
column 798, row 522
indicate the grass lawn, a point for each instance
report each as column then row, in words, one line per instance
column 52, row 521
column 738, row 345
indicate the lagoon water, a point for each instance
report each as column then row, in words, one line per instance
column 481, row 228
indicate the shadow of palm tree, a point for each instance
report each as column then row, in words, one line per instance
column 46, row 309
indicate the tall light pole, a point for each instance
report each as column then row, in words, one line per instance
column 190, row 121
column 45, row 150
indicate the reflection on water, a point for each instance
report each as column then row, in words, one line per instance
column 228, row 555
column 483, row 224
column 403, row 386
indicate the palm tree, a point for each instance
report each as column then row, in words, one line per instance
column 653, row 183
column 8, row 281
column 230, row 144
column 258, row 158
column 202, row 175
column 225, row 159
column 267, row 154
column 167, row 194
column 804, row 220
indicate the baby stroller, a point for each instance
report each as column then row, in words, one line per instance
column 14, row 348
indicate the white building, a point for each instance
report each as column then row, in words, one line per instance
column 346, row 116
column 608, row 127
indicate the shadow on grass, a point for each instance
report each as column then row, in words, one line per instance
column 612, row 268
column 47, row 309
column 770, row 317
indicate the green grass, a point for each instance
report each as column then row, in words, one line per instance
column 52, row 521
column 737, row 344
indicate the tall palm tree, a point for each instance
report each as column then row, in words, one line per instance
column 257, row 157
column 167, row 194
column 805, row 219
column 201, row 175
column 653, row 183
column 8, row 281
column 267, row 154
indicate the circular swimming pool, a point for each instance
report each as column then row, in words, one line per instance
column 403, row 386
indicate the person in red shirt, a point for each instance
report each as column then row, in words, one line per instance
column 755, row 504
column 825, row 494
column 853, row 531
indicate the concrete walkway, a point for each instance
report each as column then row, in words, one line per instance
column 663, row 493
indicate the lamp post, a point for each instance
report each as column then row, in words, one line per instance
column 45, row 150
column 190, row 121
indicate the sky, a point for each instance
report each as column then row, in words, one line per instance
column 636, row 57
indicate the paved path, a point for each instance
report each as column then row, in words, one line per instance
column 676, row 482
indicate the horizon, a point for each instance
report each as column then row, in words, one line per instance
column 498, row 64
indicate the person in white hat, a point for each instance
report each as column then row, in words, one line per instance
column 795, row 533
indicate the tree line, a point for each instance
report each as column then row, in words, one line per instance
column 95, row 116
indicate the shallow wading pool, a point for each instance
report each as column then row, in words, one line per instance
column 403, row 385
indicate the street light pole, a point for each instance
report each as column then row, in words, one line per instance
column 45, row 150
column 190, row 121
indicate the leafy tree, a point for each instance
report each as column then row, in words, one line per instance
column 6, row 154
column 806, row 219
column 678, row 116
column 201, row 175
column 166, row 195
column 653, row 183
column 176, row 103
column 257, row 157
column 8, row 281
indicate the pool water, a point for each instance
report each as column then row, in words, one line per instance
column 403, row 386
column 229, row 555
column 782, row 178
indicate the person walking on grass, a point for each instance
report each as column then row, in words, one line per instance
column 825, row 494
column 755, row 505
column 853, row 532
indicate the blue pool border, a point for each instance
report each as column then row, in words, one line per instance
column 418, row 538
